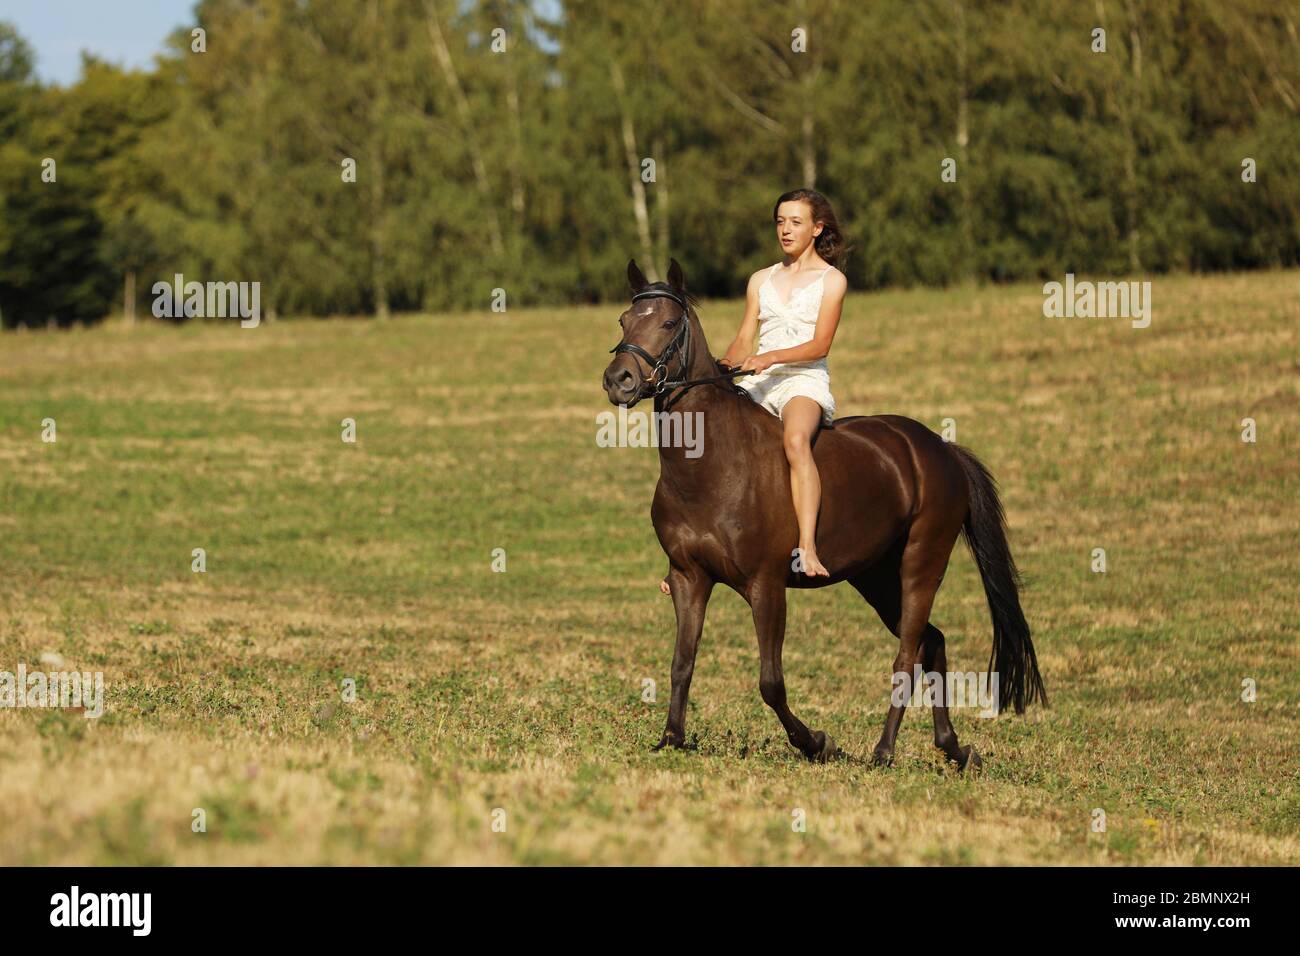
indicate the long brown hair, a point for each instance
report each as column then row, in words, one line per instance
column 831, row 244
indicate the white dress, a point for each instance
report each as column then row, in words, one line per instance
column 782, row 326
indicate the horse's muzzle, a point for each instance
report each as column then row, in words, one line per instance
column 623, row 383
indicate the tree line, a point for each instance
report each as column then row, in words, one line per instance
column 395, row 155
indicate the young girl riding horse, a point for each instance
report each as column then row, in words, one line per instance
column 794, row 306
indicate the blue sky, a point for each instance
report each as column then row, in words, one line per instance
column 128, row 32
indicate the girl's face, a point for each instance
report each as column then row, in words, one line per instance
column 795, row 228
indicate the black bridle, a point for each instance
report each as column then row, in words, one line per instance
column 680, row 346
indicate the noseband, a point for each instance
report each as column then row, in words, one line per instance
column 680, row 346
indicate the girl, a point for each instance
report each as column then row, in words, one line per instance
column 794, row 306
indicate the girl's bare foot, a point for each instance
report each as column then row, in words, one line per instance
column 663, row 586
column 812, row 565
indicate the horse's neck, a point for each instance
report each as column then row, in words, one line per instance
column 703, row 364
column 709, row 400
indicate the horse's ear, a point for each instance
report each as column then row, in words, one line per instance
column 635, row 277
column 675, row 277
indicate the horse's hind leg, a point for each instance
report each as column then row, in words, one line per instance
column 901, row 589
column 935, row 661
column 767, row 601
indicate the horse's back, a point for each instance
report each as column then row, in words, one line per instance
column 889, row 435
column 868, row 486
column 892, row 433
column 896, row 464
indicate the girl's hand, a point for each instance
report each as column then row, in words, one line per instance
column 732, row 359
column 757, row 363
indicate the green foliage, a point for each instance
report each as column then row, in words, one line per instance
column 479, row 168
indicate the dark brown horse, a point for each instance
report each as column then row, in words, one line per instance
column 895, row 496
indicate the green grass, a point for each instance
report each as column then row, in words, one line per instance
column 522, row 690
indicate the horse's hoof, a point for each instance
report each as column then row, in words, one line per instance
column 675, row 743
column 825, row 750
column 970, row 760
column 882, row 758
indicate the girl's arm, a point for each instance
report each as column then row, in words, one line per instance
column 819, row 346
column 743, row 344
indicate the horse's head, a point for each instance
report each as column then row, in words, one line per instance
column 656, row 343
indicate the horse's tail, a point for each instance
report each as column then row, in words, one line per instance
column 1012, row 657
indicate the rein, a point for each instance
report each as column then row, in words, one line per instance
column 679, row 346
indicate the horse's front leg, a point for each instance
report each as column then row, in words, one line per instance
column 690, row 589
column 767, row 601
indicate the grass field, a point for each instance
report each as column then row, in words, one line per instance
column 522, row 691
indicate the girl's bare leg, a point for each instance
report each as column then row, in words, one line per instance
column 802, row 417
